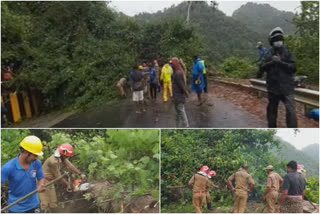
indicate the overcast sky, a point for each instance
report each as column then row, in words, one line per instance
column 301, row 139
column 132, row 8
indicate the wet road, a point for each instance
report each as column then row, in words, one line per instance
column 222, row 114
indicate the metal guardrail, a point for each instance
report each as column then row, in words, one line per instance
column 305, row 96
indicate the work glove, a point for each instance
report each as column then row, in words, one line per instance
column 83, row 177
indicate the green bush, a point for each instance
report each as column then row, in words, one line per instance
column 312, row 189
column 237, row 68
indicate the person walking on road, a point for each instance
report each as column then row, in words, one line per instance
column 279, row 65
column 197, row 84
column 153, row 83
column 199, row 183
column 180, row 92
column 241, row 191
column 136, row 82
column 274, row 182
column 165, row 77
column 158, row 71
column 24, row 174
column 51, row 170
column 292, row 191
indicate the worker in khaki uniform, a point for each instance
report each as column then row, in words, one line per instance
column 274, row 182
column 51, row 170
column 241, row 191
column 211, row 174
column 199, row 183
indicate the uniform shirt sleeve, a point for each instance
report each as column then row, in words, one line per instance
column 4, row 173
column 55, row 169
column 231, row 177
column 191, row 181
column 210, row 184
column 269, row 182
column 250, row 180
column 286, row 183
column 39, row 170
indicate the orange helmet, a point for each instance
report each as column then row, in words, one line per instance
column 65, row 149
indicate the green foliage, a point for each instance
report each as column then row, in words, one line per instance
column 74, row 52
column 10, row 141
column 128, row 158
column 183, row 152
column 237, row 68
column 312, row 189
column 305, row 44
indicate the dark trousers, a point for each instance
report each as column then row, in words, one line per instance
column 272, row 110
column 153, row 90
column 205, row 89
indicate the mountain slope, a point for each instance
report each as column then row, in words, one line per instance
column 261, row 18
column 312, row 150
column 289, row 152
column 222, row 36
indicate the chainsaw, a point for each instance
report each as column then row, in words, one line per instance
column 79, row 185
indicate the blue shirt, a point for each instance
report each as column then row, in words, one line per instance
column 22, row 182
column 152, row 75
column 262, row 52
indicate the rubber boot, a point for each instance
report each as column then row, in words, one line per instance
column 209, row 206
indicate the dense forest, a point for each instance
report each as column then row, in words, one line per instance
column 183, row 152
column 128, row 159
column 73, row 53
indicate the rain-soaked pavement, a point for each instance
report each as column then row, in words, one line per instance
column 216, row 113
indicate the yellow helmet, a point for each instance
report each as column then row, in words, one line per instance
column 32, row 144
column 140, row 67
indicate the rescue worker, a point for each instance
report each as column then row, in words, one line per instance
column 262, row 51
column 24, row 175
column 274, row 182
column 241, row 191
column 153, row 83
column 211, row 174
column 199, row 183
column 136, row 82
column 165, row 77
column 180, row 92
column 197, row 83
column 51, row 170
column 292, row 191
column 279, row 65
column 121, row 84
